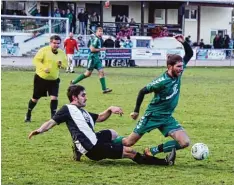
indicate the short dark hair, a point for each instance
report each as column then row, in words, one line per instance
column 173, row 59
column 55, row 37
column 99, row 28
column 74, row 90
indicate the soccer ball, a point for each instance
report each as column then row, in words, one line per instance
column 200, row 151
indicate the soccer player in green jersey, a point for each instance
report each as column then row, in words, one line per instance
column 94, row 62
column 158, row 115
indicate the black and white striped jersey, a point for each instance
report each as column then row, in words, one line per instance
column 80, row 123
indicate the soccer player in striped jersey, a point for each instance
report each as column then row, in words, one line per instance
column 158, row 115
column 99, row 145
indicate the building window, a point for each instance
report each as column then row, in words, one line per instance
column 186, row 14
column 193, row 14
column 190, row 13
column 158, row 14
column 13, row 7
column 120, row 10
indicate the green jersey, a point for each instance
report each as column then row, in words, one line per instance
column 96, row 43
column 166, row 94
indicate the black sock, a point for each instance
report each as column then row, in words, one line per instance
column 31, row 105
column 160, row 148
column 149, row 160
column 53, row 107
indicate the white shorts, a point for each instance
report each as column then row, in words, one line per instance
column 70, row 57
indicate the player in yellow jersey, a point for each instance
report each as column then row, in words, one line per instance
column 48, row 61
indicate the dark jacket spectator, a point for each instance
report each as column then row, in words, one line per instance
column 81, row 17
column 226, row 41
column 201, row 44
column 63, row 13
column 109, row 43
column 187, row 39
column 217, row 42
column 117, row 43
column 118, row 18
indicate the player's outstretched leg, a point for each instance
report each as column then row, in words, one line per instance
column 165, row 147
column 149, row 160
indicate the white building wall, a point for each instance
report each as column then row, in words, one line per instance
column 134, row 11
column 191, row 29
column 190, row 26
column 172, row 16
column 214, row 18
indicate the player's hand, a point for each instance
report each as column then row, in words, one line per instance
column 59, row 63
column 134, row 115
column 47, row 70
column 180, row 38
column 103, row 49
column 116, row 110
column 33, row 133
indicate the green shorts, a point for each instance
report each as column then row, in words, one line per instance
column 148, row 122
column 94, row 63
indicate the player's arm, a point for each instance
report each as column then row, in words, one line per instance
column 187, row 48
column 95, row 50
column 93, row 46
column 63, row 62
column 38, row 59
column 76, row 46
column 139, row 101
column 107, row 113
column 44, row 127
column 65, row 44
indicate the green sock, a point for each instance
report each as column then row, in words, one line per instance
column 118, row 140
column 78, row 79
column 166, row 147
column 103, row 83
column 169, row 145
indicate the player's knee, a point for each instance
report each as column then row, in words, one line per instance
column 185, row 142
column 35, row 100
column 114, row 134
column 87, row 74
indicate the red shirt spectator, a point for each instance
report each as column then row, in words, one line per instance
column 70, row 45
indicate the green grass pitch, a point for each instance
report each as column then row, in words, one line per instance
column 205, row 110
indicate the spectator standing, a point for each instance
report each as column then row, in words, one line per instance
column 70, row 17
column 93, row 21
column 70, row 45
column 117, row 23
column 57, row 27
column 81, row 18
column 133, row 25
column 73, row 22
column 117, row 45
column 81, row 44
column 109, row 43
column 226, row 45
column 218, row 42
column 201, row 44
column 86, row 18
column 188, row 40
column 128, row 45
